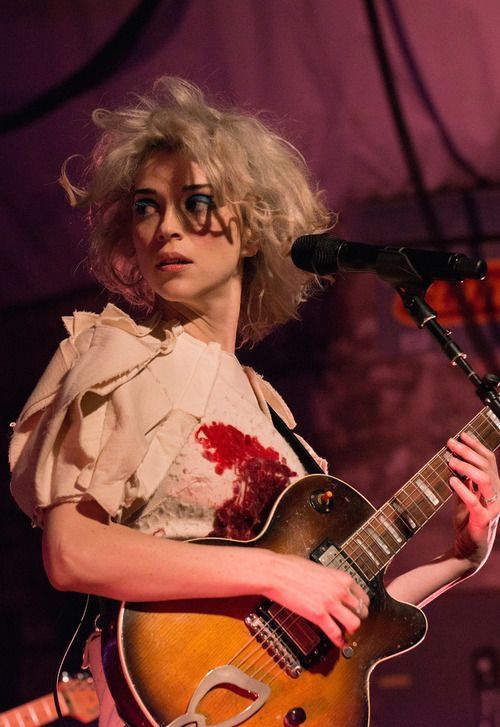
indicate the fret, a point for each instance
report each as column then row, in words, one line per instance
column 432, row 487
column 486, row 427
column 427, row 492
column 29, row 714
column 439, row 475
column 419, row 505
column 370, row 548
column 375, row 553
column 357, row 554
column 378, row 540
column 424, row 494
column 46, row 704
column 380, row 534
column 402, row 504
column 479, row 431
column 333, row 558
column 401, row 523
column 394, row 537
column 20, row 718
column 377, row 535
column 388, row 530
column 437, row 470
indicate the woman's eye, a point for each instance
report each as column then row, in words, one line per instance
column 145, row 207
column 200, row 204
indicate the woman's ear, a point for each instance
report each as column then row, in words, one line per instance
column 249, row 248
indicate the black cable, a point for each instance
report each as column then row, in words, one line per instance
column 61, row 664
column 436, row 236
column 425, row 96
column 99, row 68
column 468, row 198
column 406, row 143
column 472, row 214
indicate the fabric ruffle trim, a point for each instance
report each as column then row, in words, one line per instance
column 113, row 316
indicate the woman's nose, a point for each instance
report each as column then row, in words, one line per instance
column 170, row 225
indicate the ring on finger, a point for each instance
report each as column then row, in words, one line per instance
column 493, row 498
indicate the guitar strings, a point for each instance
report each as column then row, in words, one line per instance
column 260, row 646
column 482, row 430
column 260, row 649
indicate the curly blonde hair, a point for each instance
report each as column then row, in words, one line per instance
column 248, row 165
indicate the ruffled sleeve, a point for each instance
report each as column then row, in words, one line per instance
column 84, row 430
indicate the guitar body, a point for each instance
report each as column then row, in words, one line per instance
column 156, row 655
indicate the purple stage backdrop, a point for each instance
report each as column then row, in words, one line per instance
column 373, row 394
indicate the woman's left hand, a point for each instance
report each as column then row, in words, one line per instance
column 478, row 491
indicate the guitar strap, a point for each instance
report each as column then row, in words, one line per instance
column 306, row 459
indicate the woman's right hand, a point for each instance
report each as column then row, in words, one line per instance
column 84, row 552
column 327, row 597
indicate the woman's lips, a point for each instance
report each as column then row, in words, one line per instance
column 173, row 262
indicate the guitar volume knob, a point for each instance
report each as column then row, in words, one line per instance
column 295, row 717
column 321, row 500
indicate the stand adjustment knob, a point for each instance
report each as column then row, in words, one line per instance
column 294, row 717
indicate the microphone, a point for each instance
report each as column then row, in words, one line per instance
column 323, row 255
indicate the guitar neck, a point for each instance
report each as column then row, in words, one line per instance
column 388, row 530
column 40, row 711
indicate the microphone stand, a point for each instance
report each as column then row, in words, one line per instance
column 394, row 267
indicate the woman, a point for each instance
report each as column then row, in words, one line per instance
column 155, row 429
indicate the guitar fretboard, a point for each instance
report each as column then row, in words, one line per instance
column 38, row 712
column 387, row 531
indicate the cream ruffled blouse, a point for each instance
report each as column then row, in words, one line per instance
column 87, row 427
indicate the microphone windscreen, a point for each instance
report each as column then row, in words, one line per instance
column 316, row 253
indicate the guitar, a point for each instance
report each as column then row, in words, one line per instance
column 248, row 661
column 79, row 700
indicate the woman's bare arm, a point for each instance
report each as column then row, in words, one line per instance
column 84, row 552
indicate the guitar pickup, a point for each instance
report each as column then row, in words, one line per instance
column 332, row 557
column 306, row 641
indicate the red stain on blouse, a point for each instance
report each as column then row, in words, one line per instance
column 260, row 476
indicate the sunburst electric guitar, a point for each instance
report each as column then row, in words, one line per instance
column 247, row 661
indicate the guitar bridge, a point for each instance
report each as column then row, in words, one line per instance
column 292, row 641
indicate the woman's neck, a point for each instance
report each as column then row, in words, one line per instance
column 220, row 324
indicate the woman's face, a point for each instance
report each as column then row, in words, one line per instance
column 188, row 250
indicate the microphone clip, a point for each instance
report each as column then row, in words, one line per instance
column 395, row 268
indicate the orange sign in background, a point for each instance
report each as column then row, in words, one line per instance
column 480, row 297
